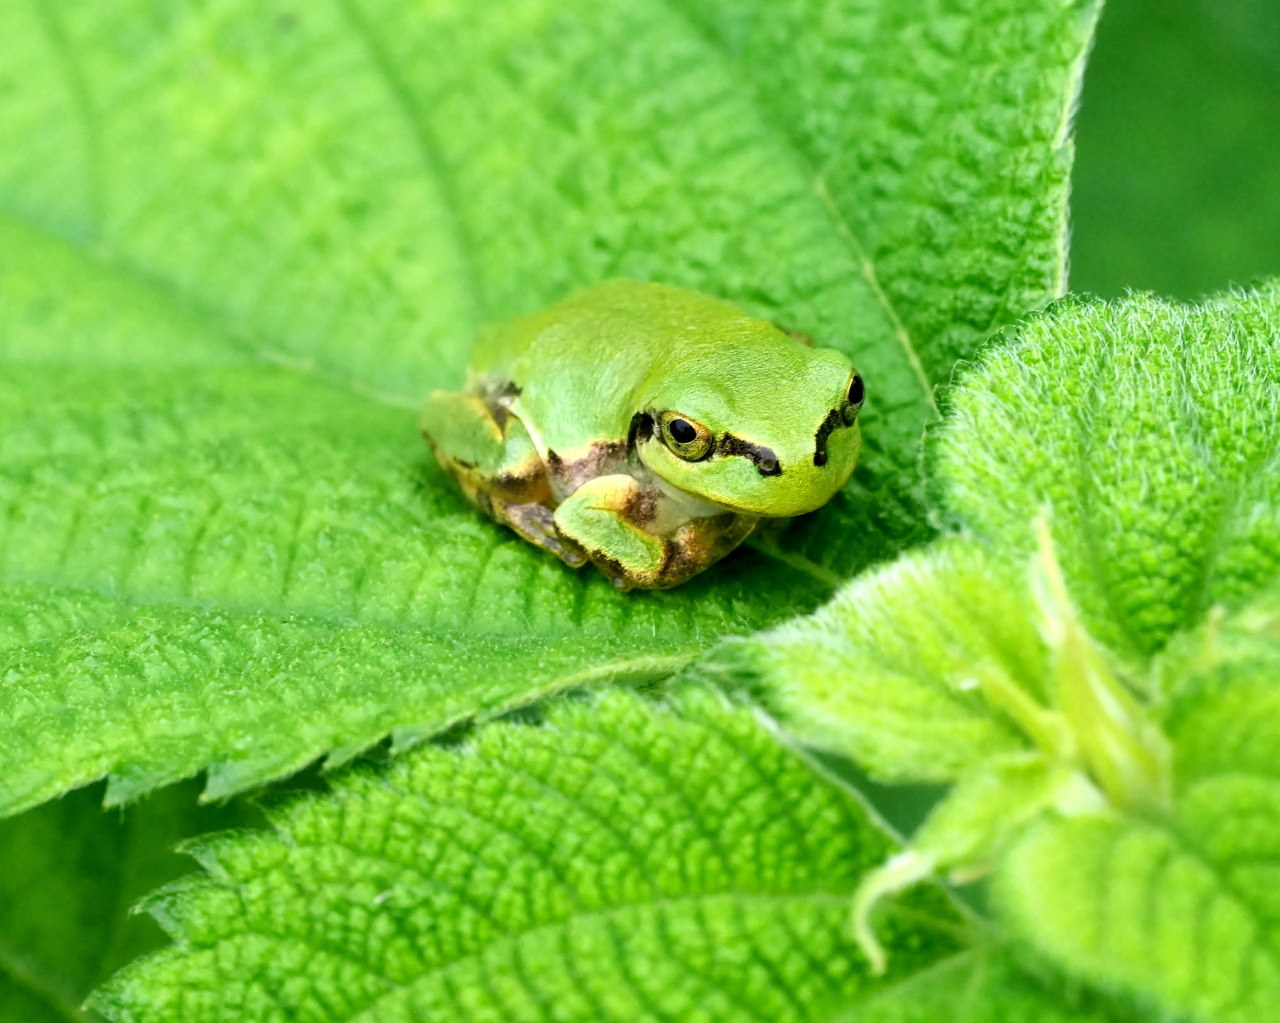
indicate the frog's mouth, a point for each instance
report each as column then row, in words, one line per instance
column 789, row 512
column 689, row 506
column 777, row 506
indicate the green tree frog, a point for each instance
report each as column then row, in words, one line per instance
column 646, row 428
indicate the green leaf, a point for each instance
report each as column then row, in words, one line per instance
column 68, row 874
column 1148, row 429
column 240, row 241
column 1142, row 853
column 987, row 986
column 938, row 668
column 622, row 861
column 1183, row 912
column 865, row 94
column 271, row 555
column 890, row 672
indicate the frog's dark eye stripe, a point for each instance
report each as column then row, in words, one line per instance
column 766, row 462
column 641, row 429
column 834, row 418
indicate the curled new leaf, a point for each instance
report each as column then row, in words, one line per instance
column 1180, row 907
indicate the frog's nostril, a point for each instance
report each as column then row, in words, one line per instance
column 763, row 458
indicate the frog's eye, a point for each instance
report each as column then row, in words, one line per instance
column 853, row 399
column 686, row 438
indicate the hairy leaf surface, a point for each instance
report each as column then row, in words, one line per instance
column 240, row 240
column 889, row 672
column 1148, row 431
column 1183, row 910
column 989, row 986
column 1151, row 431
column 1179, row 908
column 620, row 862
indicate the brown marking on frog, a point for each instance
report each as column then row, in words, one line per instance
column 569, row 471
column 700, row 543
column 524, row 482
column 642, row 506
column 613, row 570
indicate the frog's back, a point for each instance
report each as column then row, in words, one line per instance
column 580, row 364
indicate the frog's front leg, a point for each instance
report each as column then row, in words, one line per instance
column 606, row 517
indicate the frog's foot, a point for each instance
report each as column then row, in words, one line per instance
column 536, row 523
column 606, row 516
column 601, row 518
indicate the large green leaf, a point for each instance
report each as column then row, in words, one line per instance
column 284, row 575
column 239, row 240
column 620, row 861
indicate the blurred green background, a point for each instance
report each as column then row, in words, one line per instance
column 1177, row 181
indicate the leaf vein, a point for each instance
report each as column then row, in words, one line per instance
column 606, row 916
column 865, row 264
column 428, row 147
column 47, row 18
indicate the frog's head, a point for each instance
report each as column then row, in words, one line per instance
column 771, row 430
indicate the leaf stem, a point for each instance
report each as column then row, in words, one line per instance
column 1118, row 743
